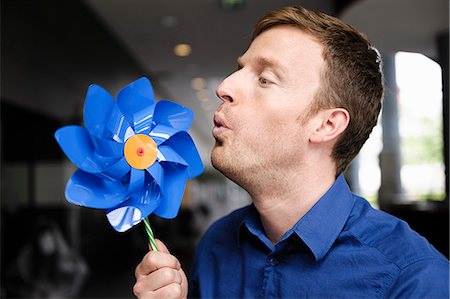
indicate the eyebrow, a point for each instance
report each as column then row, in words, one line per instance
column 264, row 62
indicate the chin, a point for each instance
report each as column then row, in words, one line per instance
column 225, row 164
column 216, row 157
column 219, row 159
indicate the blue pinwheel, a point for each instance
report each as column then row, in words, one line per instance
column 134, row 155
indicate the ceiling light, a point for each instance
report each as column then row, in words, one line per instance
column 198, row 83
column 182, row 50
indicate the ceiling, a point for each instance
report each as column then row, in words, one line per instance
column 400, row 25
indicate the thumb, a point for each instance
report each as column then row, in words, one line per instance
column 160, row 245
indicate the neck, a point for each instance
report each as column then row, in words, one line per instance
column 285, row 198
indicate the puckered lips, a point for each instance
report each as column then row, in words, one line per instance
column 220, row 125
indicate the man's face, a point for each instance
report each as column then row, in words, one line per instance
column 261, row 125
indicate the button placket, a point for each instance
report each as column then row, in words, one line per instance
column 273, row 261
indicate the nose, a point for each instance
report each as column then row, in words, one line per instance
column 224, row 91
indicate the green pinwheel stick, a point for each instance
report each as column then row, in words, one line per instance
column 151, row 237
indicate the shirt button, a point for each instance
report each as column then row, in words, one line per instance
column 274, row 261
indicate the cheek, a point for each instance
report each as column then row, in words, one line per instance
column 286, row 133
column 262, row 133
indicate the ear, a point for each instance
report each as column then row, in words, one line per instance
column 331, row 123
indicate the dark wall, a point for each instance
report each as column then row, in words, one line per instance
column 53, row 50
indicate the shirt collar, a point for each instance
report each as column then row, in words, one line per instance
column 319, row 227
column 323, row 223
column 252, row 224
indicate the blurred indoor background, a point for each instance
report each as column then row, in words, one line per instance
column 52, row 50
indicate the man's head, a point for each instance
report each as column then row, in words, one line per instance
column 351, row 80
column 288, row 106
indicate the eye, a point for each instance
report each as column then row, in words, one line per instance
column 263, row 81
column 266, row 79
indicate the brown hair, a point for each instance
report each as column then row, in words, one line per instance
column 352, row 79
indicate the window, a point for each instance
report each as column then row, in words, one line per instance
column 419, row 82
column 419, row 142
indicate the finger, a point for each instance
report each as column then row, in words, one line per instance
column 184, row 284
column 158, row 279
column 161, row 246
column 155, row 281
column 155, row 260
column 173, row 290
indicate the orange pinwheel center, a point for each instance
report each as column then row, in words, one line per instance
column 140, row 151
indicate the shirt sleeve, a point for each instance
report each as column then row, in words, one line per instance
column 427, row 278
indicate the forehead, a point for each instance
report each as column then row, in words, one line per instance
column 286, row 46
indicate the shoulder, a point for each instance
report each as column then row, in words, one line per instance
column 389, row 236
column 219, row 240
column 230, row 221
column 224, row 229
column 427, row 277
column 421, row 271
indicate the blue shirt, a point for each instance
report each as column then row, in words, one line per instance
column 342, row 248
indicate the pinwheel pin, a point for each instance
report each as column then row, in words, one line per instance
column 134, row 155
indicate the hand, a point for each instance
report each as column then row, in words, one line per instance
column 159, row 275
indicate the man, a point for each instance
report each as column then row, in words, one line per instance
column 303, row 101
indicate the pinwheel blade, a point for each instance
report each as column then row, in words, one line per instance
column 172, row 114
column 131, row 212
column 120, row 128
column 167, row 154
column 184, row 146
column 107, row 147
column 137, row 179
column 97, row 110
column 88, row 190
column 137, row 104
column 161, row 133
column 174, row 183
column 118, row 170
column 156, row 171
column 78, row 147
column 143, row 121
